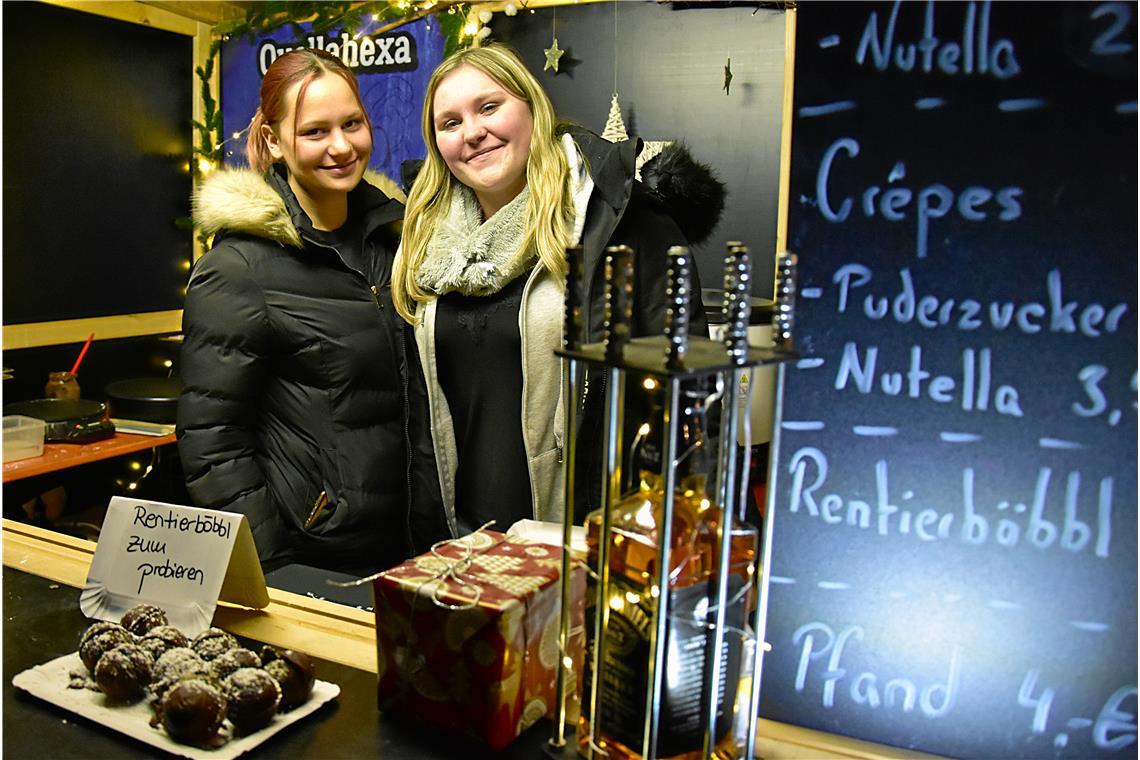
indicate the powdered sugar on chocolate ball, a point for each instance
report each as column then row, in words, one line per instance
column 161, row 639
column 176, row 664
column 253, row 697
column 192, row 711
column 99, row 639
column 143, row 617
column 212, row 642
column 295, row 674
column 124, row 672
column 232, row 659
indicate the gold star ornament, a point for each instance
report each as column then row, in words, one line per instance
column 552, row 56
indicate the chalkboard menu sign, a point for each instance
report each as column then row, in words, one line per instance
column 954, row 493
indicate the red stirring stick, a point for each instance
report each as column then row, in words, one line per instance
column 82, row 353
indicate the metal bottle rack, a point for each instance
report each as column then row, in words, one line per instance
column 671, row 359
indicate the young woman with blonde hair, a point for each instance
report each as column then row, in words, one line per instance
column 503, row 191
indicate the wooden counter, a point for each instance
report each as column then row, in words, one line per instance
column 60, row 456
column 344, row 636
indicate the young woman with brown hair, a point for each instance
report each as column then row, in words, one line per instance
column 298, row 373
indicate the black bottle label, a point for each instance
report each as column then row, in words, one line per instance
column 625, row 671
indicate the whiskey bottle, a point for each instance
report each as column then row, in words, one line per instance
column 632, row 599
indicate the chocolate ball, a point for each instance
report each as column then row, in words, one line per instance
column 124, row 672
column 100, row 638
column 253, row 697
column 192, row 711
column 232, row 659
column 295, row 673
column 212, row 642
column 174, row 665
column 96, row 628
column 143, row 617
column 161, row 639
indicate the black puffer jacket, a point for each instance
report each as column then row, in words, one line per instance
column 297, row 379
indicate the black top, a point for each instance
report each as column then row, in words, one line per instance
column 492, row 481
column 348, row 240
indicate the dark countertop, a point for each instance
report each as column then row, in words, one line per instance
column 42, row 621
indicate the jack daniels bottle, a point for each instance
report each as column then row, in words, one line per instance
column 693, row 560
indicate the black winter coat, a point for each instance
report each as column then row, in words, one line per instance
column 298, row 377
column 622, row 211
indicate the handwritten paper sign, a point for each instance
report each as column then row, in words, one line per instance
column 181, row 559
column 954, row 500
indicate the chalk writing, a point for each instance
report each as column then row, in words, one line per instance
column 1112, row 40
column 974, row 203
column 1053, row 314
column 1095, row 402
column 953, row 491
column 1008, row 523
column 972, row 54
column 972, row 388
column 1114, row 727
column 867, row 689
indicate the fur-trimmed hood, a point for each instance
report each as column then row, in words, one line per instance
column 690, row 188
column 245, row 202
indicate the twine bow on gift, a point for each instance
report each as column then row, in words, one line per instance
column 451, row 570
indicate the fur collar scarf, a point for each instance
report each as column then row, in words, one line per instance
column 243, row 201
column 477, row 258
column 472, row 256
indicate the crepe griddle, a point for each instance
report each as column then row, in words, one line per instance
column 67, row 420
column 151, row 399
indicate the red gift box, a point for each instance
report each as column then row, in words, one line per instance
column 467, row 635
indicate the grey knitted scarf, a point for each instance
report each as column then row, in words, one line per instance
column 473, row 257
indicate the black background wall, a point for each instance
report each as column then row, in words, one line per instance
column 96, row 142
column 670, row 83
column 96, row 139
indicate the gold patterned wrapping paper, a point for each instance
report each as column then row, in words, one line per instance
column 467, row 636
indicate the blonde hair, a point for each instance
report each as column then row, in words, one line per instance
column 550, row 206
column 302, row 65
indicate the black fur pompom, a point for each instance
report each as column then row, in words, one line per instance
column 689, row 188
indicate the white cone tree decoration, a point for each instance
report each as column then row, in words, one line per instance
column 615, row 132
column 615, row 126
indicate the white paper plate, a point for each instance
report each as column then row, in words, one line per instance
column 50, row 681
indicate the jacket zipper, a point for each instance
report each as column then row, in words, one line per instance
column 407, row 424
column 322, row 500
column 318, row 507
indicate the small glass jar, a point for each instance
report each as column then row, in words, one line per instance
column 63, row 385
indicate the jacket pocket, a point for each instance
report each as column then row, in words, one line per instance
column 326, row 503
column 546, row 482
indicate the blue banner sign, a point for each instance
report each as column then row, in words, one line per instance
column 392, row 68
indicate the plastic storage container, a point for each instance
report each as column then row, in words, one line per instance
column 23, row 437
